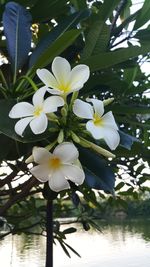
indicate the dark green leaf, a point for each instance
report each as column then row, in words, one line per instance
column 56, row 48
column 144, row 15
column 48, row 10
column 119, row 186
column 17, row 23
column 106, row 60
column 71, row 248
column 107, row 8
column 69, row 230
column 130, row 109
column 67, row 24
column 125, row 23
column 98, row 174
column 127, row 140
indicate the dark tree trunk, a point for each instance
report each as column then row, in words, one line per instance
column 49, row 231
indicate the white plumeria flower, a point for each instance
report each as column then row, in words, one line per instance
column 57, row 167
column 64, row 81
column 35, row 115
column 99, row 125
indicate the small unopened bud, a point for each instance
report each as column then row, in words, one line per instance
column 29, row 159
column 75, row 138
column 50, row 146
column 102, row 151
column 52, row 116
column 84, row 143
column 60, row 137
column 64, row 112
column 108, row 101
column 74, row 97
column 97, row 149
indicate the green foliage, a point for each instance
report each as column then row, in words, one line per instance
column 143, row 16
column 110, row 59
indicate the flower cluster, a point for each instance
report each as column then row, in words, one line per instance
column 62, row 165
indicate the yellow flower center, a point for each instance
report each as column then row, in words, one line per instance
column 54, row 163
column 38, row 110
column 64, row 87
column 97, row 119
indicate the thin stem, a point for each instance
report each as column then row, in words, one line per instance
column 30, row 81
column 3, row 79
column 118, row 11
column 49, row 231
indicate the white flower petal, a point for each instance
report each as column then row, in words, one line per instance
column 98, row 106
column 55, row 91
column 96, row 131
column 22, row 109
column 73, row 173
column 81, row 74
column 111, row 136
column 39, row 124
column 41, row 173
column 82, row 109
column 47, row 78
column 21, row 125
column 108, row 120
column 38, row 97
column 41, row 155
column 52, row 103
column 67, row 152
column 61, row 69
column 57, row 182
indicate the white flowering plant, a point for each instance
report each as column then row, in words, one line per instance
column 57, row 102
column 66, row 94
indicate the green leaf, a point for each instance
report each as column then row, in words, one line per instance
column 98, row 174
column 119, row 186
column 69, row 230
column 12, row 150
column 125, row 12
column 17, row 22
column 143, row 35
column 125, row 23
column 48, row 10
column 55, row 49
column 79, row 4
column 144, row 15
column 107, row 8
column 64, row 248
column 97, row 39
column 127, row 140
column 103, row 40
column 63, row 26
column 98, row 34
column 105, row 60
column 7, row 125
column 73, row 250
column 130, row 109
column 91, row 39
column 129, row 76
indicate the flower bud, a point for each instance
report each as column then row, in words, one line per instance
column 84, row 143
column 75, row 138
column 97, row 149
column 60, row 137
column 64, row 112
column 108, row 101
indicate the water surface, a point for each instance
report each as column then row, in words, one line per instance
column 123, row 244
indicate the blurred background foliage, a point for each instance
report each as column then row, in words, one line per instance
column 114, row 43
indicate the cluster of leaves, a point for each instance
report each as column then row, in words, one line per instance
column 102, row 35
